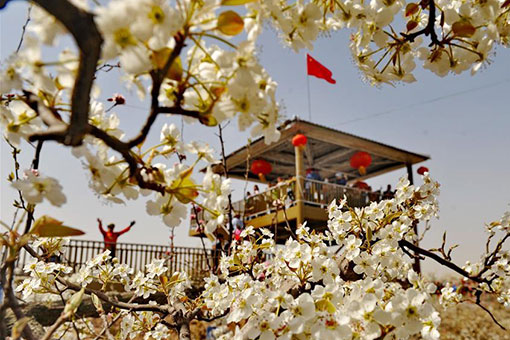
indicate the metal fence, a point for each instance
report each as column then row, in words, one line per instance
column 194, row 261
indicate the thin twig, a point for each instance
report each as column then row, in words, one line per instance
column 478, row 295
column 61, row 320
column 24, row 28
column 197, row 221
column 35, row 166
column 225, row 173
column 437, row 258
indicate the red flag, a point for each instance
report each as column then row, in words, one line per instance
column 314, row 68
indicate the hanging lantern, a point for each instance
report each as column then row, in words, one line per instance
column 261, row 168
column 299, row 140
column 361, row 160
column 361, row 185
column 422, row 170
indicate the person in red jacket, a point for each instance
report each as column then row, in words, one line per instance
column 110, row 236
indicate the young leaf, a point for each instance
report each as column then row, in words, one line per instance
column 208, row 120
column 74, row 302
column 183, row 187
column 230, row 23
column 235, row 2
column 97, row 303
column 463, row 28
column 411, row 9
column 47, row 226
column 159, row 59
column 411, row 25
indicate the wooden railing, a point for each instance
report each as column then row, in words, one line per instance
column 184, row 259
column 322, row 193
column 316, row 193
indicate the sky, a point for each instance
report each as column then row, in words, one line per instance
column 462, row 122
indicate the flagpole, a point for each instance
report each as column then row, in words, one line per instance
column 309, row 101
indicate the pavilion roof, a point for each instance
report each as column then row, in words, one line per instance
column 328, row 150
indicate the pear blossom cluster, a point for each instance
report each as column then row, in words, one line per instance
column 35, row 188
column 42, row 277
column 389, row 37
column 352, row 281
column 212, row 78
column 104, row 270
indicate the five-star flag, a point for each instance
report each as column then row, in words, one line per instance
column 314, row 68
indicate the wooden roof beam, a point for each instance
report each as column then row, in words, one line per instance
column 332, row 155
column 280, row 157
column 257, row 148
column 309, row 155
column 356, row 143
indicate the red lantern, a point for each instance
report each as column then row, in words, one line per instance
column 299, row 140
column 261, row 168
column 361, row 160
column 361, row 185
column 422, row 170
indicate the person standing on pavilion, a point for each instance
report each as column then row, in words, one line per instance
column 110, row 237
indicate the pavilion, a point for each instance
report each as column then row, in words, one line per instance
column 328, row 151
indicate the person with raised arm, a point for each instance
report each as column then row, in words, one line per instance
column 110, row 237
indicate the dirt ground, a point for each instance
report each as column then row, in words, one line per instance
column 470, row 322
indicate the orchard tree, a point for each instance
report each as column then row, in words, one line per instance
column 354, row 281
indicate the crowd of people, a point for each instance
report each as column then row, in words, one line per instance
column 282, row 191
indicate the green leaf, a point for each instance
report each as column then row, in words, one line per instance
column 47, row 226
column 325, row 305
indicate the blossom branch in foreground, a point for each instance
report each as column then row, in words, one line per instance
column 82, row 27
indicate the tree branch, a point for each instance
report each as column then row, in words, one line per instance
column 439, row 259
column 10, row 299
column 429, row 29
column 82, row 27
column 61, row 319
column 157, row 80
column 478, row 295
column 119, row 304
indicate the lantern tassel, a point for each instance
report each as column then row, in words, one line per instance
column 262, row 177
column 362, row 170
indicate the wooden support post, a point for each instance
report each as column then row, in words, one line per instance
column 300, row 176
column 409, row 167
column 416, row 264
